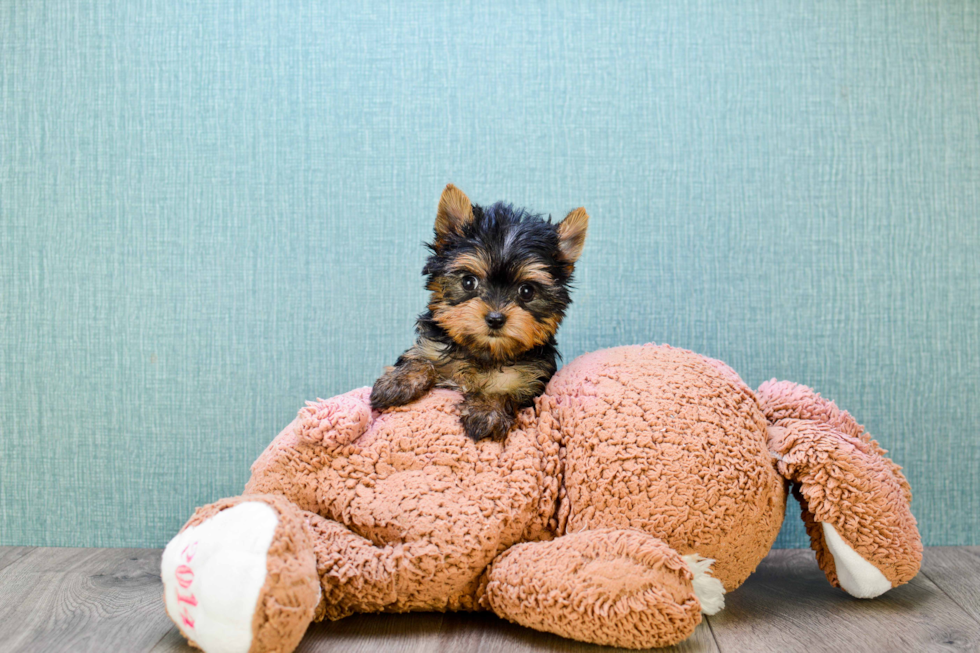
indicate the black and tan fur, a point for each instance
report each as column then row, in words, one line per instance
column 499, row 280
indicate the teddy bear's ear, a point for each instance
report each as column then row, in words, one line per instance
column 453, row 214
column 571, row 235
column 334, row 422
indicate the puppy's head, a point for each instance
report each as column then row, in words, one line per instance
column 499, row 276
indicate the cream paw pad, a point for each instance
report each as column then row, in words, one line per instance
column 213, row 574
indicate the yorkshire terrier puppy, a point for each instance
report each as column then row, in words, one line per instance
column 499, row 280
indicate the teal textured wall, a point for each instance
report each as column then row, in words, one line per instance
column 212, row 211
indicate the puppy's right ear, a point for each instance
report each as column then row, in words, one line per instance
column 454, row 213
column 571, row 235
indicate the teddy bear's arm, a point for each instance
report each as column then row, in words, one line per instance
column 855, row 501
column 605, row 586
column 357, row 575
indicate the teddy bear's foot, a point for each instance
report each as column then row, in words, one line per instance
column 611, row 587
column 241, row 576
column 856, row 576
column 855, row 501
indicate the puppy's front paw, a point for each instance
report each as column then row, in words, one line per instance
column 401, row 385
column 485, row 421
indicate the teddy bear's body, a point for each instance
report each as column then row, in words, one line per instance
column 641, row 478
column 433, row 508
column 671, row 443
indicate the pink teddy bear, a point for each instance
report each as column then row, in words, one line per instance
column 645, row 483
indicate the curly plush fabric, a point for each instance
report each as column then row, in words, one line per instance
column 611, row 587
column 644, row 482
column 669, row 442
column 413, row 511
column 843, row 478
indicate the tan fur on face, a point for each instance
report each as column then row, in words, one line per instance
column 463, row 321
column 534, row 271
column 476, row 263
column 523, row 328
column 438, row 290
column 466, row 323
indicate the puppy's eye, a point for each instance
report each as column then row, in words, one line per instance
column 469, row 283
column 525, row 292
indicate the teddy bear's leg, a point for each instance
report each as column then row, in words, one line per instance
column 611, row 587
column 241, row 576
column 250, row 573
column 855, row 501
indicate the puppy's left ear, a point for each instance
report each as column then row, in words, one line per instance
column 571, row 235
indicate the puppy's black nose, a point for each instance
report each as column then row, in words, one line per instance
column 496, row 320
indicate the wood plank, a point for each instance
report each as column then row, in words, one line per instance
column 479, row 632
column 67, row 559
column 172, row 641
column 788, row 605
column 361, row 633
column 11, row 554
column 83, row 600
column 417, row 632
column 484, row 632
column 89, row 599
column 956, row 570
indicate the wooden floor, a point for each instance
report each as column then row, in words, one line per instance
column 110, row 600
